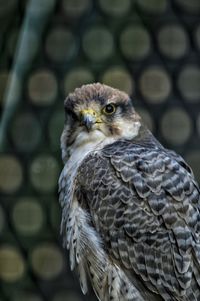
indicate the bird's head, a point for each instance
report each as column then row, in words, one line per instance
column 95, row 112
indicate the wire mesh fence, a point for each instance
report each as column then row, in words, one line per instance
column 148, row 48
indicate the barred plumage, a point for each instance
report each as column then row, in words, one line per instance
column 130, row 214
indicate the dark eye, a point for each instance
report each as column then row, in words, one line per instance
column 109, row 109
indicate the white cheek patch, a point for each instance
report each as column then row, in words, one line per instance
column 88, row 137
column 89, row 141
column 85, row 143
column 129, row 130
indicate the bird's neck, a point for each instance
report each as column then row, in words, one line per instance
column 145, row 137
column 85, row 143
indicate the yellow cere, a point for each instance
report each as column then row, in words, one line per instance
column 92, row 113
column 89, row 112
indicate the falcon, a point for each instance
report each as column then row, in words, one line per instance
column 130, row 207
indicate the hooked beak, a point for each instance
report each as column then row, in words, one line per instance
column 88, row 118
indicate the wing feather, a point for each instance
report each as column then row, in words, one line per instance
column 147, row 205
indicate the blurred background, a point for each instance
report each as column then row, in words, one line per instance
column 148, row 48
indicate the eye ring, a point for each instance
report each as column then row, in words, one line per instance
column 109, row 109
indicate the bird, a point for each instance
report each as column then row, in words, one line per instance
column 130, row 207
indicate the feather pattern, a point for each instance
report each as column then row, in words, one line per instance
column 130, row 207
column 86, row 249
column 146, row 205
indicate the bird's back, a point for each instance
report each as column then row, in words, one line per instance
column 144, row 202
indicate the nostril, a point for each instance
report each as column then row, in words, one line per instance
column 88, row 120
